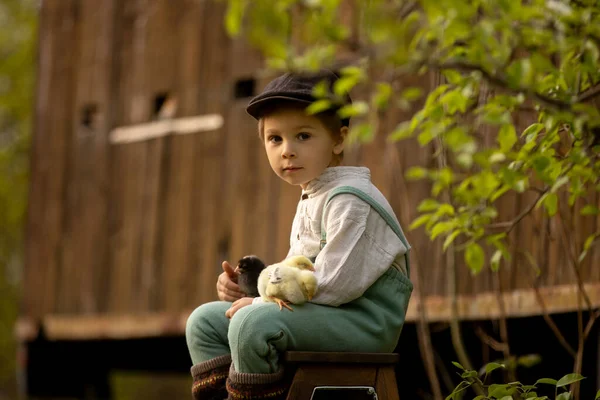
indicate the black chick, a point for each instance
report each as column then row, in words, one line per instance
column 249, row 268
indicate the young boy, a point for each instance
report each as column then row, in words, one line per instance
column 343, row 223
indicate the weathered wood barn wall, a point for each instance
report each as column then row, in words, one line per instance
column 124, row 239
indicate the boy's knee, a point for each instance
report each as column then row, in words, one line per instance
column 256, row 324
column 205, row 316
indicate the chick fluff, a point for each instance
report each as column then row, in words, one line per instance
column 248, row 269
column 291, row 281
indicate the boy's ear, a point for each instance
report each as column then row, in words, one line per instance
column 339, row 146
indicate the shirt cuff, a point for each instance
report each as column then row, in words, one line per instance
column 257, row 300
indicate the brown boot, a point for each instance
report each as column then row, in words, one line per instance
column 245, row 386
column 209, row 378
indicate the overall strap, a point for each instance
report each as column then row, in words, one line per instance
column 377, row 207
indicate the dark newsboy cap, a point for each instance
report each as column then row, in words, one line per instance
column 293, row 87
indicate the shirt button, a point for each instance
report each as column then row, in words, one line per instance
column 298, row 237
column 304, row 196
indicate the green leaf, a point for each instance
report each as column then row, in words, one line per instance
column 355, row 109
column 468, row 374
column 589, row 240
column 493, row 366
column 458, row 365
column 450, row 238
column 318, row 106
column 402, row 131
column 547, row 381
column 559, row 182
column 499, row 391
column 540, row 164
column 507, row 137
column 507, row 398
column 551, row 203
column 452, row 76
column 428, row 205
column 345, row 84
column 441, row 227
column 590, row 210
column 564, row 396
column 423, row 219
column 474, row 257
column 234, row 15
column 597, row 395
column 321, row 89
column 416, row 173
column 445, row 210
column 382, row 95
column 412, row 93
column 529, row 360
column 569, row 379
column 363, row 132
column 532, row 129
column 495, row 260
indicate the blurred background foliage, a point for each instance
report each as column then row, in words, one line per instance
column 18, row 40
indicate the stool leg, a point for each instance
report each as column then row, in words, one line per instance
column 386, row 385
column 309, row 376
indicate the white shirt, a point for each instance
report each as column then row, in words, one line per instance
column 361, row 246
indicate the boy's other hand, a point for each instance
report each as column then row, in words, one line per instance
column 243, row 302
column 227, row 287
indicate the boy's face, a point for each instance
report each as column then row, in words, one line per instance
column 298, row 146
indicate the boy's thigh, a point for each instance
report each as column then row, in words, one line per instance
column 311, row 327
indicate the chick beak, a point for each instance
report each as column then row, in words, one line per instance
column 237, row 269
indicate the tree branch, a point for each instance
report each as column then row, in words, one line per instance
column 588, row 94
column 509, row 225
column 501, row 82
column 551, row 323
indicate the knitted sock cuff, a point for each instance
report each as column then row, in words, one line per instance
column 245, row 378
column 212, row 364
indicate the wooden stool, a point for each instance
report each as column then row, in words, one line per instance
column 316, row 369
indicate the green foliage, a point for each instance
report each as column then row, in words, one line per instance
column 512, row 390
column 18, row 23
column 496, row 59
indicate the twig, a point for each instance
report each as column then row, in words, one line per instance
column 503, row 328
column 574, row 261
column 490, row 341
column 446, row 378
column 588, row 94
column 509, row 225
column 551, row 323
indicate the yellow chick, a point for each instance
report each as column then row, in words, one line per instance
column 289, row 282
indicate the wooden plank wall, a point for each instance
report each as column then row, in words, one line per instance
column 143, row 227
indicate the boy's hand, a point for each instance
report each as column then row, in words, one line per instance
column 227, row 287
column 243, row 302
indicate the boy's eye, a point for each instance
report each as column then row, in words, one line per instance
column 303, row 136
column 274, row 139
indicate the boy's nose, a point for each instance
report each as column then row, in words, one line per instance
column 288, row 152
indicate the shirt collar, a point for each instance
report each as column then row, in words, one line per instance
column 334, row 174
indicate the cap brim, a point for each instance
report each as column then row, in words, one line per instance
column 255, row 107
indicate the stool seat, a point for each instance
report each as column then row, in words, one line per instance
column 315, row 369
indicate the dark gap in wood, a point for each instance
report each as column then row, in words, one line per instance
column 244, row 88
column 164, row 106
column 89, row 116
